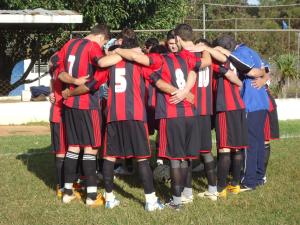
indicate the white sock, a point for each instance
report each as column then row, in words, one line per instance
column 212, row 189
column 109, row 196
column 187, row 192
column 177, row 200
column 151, row 197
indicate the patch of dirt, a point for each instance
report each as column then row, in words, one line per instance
column 24, row 130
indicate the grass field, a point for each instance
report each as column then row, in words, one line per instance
column 27, row 191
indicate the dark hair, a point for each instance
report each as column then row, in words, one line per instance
column 151, row 42
column 161, row 49
column 226, row 41
column 170, row 35
column 101, row 29
column 184, row 31
column 113, row 47
column 129, row 38
column 202, row 40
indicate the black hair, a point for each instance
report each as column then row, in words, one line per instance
column 151, row 42
column 161, row 49
column 184, row 31
column 101, row 29
column 170, row 35
column 226, row 41
column 202, row 40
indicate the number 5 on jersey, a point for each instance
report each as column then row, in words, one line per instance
column 120, row 80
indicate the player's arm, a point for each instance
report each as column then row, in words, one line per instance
column 180, row 95
column 109, row 60
column 217, row 55
column 166, row 87
column 205, row 59
column 233, row 78
column 135, row 56
column 68, row 79
column 259, row 82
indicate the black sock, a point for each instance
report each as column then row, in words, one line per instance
column 267, row 155
column 188, row 174
column 70, row 167
column 89, row 168
column 237, row 160
column 146, row 176
column 209, row 167
column 176, row 178
column 59, row 166
column 108, row 175
column 223, row 169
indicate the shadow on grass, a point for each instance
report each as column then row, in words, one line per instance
column 40, row 162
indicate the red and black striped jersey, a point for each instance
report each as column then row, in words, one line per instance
column 203, row 90
column 272, row 103
column 126, row 93
column 227, row 94
column 57, row 87
column 80, row 57
column 173, row 69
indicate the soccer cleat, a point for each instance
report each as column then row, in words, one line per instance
column 112, row 203
column 59, row 192
column 95, row 203
column 244, row 188
column 186, row 199
column 174, row 206
column 157, row 205
column 233, row 189
column 68, row 198
column 223, row 194
column 211, row 196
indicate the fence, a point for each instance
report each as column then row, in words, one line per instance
column 270, row 43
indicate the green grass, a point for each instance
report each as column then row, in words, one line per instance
column 27, row 191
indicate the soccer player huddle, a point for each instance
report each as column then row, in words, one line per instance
column 113, row 94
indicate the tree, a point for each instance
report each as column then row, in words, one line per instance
column 19, row 44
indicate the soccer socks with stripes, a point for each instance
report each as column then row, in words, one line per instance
column 267, row 155
column 146, row 176
column 89, row 167
column 237, row 160
column 59, row 166
column 108, row 175
column 70, row 167
column 209, row 167
column 223, row 169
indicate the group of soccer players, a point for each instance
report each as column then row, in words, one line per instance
column 190, row 87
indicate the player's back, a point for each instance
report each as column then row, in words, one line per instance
column 80, row 59
column 126, row 95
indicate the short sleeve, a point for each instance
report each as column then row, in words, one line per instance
column 151, row 75
column 99, row 78
column 95, row 53
column 242, row 60
column 155, row 61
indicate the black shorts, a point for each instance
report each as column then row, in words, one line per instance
column 83, row 127
column 127, row 139
column 151, row 120
column 231, row 129
column 204, row 130
column 271, row 126
column 58, row 138
column 178, row 138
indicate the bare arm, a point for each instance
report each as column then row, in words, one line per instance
column 68, row 79
column 205, row 59
column 256, row 72
column 82, row 89
column 109, row 60
column 179, row 95
column 170, row 89
column 135, row 56
column 217, row 55
column 233, row 78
